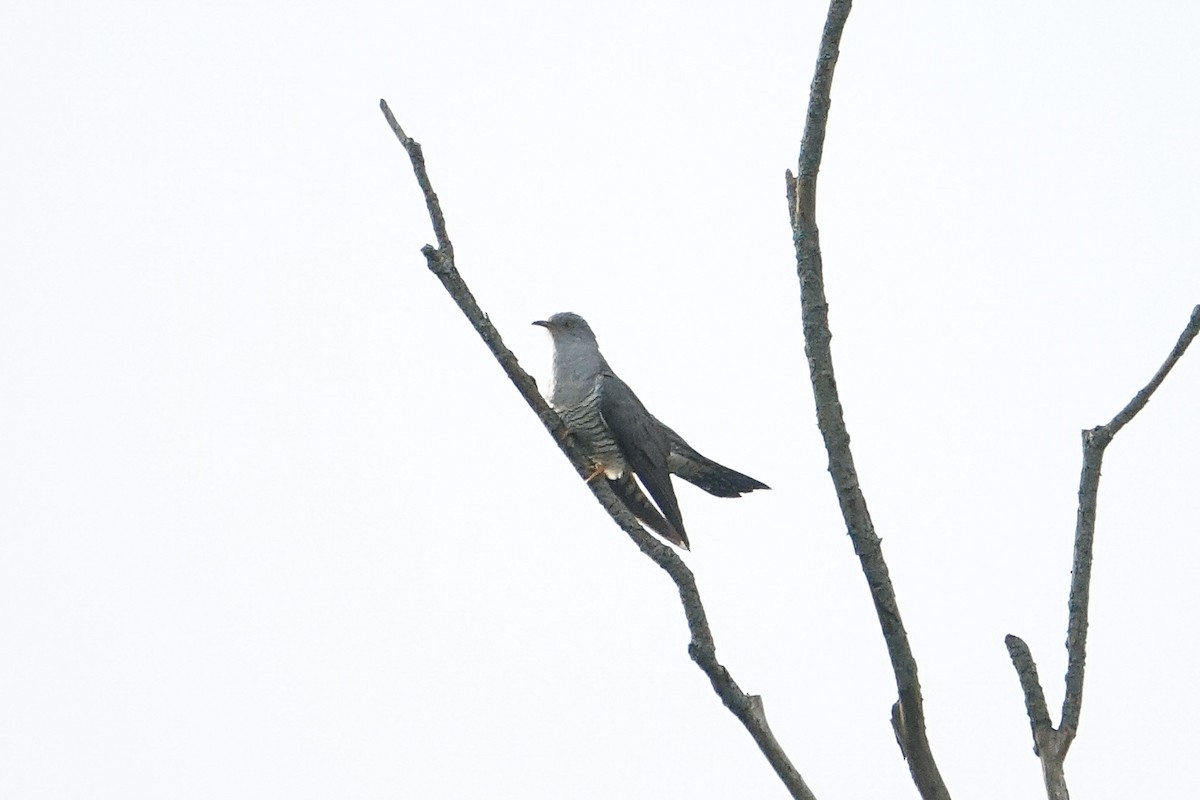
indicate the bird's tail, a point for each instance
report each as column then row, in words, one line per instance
column 710, row 476
column 626, row 488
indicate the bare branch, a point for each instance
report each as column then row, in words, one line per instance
column 702, row 649
column 1035, row 698
column 812, row 145
column 908, row 716
column 417, row 157
column 1141, row 398
column 1094, row 443
column 1047, row 743
column 1052, row 744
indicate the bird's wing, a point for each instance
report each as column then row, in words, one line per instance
column 643, row 443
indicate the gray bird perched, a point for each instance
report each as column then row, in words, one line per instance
column 622, row 438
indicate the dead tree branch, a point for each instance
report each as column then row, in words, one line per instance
column 1049, row 743
column 702, row 649
column 908, row 716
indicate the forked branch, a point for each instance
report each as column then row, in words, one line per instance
column 747, row 708
column 1049, row 743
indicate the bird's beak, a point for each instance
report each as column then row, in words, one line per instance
column 541, row 322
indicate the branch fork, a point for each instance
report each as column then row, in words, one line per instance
column 1051, row 744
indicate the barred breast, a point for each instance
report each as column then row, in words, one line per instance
column 587, row 425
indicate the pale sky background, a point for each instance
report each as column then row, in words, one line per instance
column 274, row 525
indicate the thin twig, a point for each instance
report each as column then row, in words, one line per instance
column 415, row 154
column 1051, row 744
column 1141, row 398
column 908, row 716
column 702, row 649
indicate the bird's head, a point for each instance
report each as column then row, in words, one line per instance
column 565, row 326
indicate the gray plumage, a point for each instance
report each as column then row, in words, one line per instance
column 622, row 438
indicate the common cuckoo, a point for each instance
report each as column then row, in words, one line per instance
column 622, row 438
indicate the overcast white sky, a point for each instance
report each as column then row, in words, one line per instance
column 275, row 525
